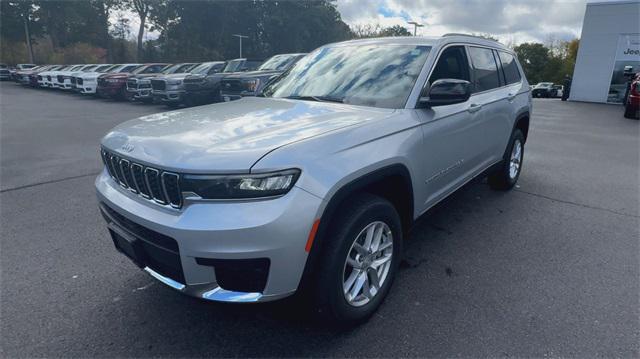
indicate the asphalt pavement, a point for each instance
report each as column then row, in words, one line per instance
column 550, row 269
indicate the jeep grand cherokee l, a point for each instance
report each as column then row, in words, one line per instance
column 312, row 187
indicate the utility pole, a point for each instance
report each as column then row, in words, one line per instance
column 415, row 26
column 27, row 35
column 240, row 37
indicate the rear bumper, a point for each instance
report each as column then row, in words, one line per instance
column 217, row 241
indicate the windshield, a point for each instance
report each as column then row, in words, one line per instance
column 103, row 68
column 278, row 62
column 367, row 75
column 233, row 65
column 202, row 68
column 128, row 68
column 92, row 67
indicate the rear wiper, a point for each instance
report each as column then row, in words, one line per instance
column 317, row 98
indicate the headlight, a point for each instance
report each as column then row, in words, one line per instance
column 240, row 186
column 175, row 82
column 252, row 85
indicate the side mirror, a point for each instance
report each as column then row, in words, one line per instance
column 445, row 92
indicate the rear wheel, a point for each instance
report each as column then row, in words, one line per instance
column 506, row 176
column 359, row 262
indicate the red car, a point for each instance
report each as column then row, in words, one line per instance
column 114, row 85
column 632, row 105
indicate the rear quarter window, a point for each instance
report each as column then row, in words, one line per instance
column 509, row 67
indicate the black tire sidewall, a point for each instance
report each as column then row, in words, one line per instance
column 365, row 210
column 517, row 135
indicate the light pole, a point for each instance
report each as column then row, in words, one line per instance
column 415, row 26
column 240, row 37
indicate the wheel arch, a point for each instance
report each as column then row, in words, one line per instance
column 522, row 123
column 392, row 182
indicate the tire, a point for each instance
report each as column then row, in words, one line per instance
column 630, row 112
column 363, row 212
column 503, row 179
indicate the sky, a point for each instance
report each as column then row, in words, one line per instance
column 511, row 21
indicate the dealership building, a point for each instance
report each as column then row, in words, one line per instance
column 610, row 42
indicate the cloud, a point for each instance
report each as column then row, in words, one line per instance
column 512, row 21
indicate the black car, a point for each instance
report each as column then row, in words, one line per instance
column 251, row 83
column 544, row 89
column 205, row 88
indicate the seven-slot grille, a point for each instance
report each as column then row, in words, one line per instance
column 60, row 78
column 79, row 81
column 151, row 183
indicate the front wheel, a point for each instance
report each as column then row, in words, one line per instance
column 506, row 176
column 359, row 261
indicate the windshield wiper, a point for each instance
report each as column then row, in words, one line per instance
column 317, row 98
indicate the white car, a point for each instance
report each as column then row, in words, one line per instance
column 47, row 78
column 63, row 78
column 99, row 68
column 560, row 90
column 88, row 82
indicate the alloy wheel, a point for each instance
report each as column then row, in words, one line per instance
column 367, row 264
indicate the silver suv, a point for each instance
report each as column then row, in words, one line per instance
column 312, row 186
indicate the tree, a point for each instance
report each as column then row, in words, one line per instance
column 18, row 18
column 103, row 10
column 395, row 30
column 142, row 8
column 533, row 58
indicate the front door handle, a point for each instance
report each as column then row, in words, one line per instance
column 474, row 108
column 511, row 97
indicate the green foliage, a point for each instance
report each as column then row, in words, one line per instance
column 376, row 30
column 548, row 63
column 395, row 30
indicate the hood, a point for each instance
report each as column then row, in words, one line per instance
column 118, row 75
column 230, row 137
column 180, row 76
column 146, row 76
column 249, row 74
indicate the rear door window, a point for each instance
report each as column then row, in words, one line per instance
column 509, row 67
column 485, row 70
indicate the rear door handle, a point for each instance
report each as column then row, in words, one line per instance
column 474, row 108
column 511, row 97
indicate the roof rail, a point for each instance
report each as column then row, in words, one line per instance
column 467, row 35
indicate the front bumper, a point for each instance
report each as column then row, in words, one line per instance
column 169, row 96
column 274, row 230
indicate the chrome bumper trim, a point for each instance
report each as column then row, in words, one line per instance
column 213, row 292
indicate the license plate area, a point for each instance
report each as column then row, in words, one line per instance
column 127, row 245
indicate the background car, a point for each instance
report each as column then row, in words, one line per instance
column 544, row 89
column 250, row 83
column 89, row 82
column 5, row 73
column 170, row 89
column 139, row 85
column 559, row 90
column 204, row 87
